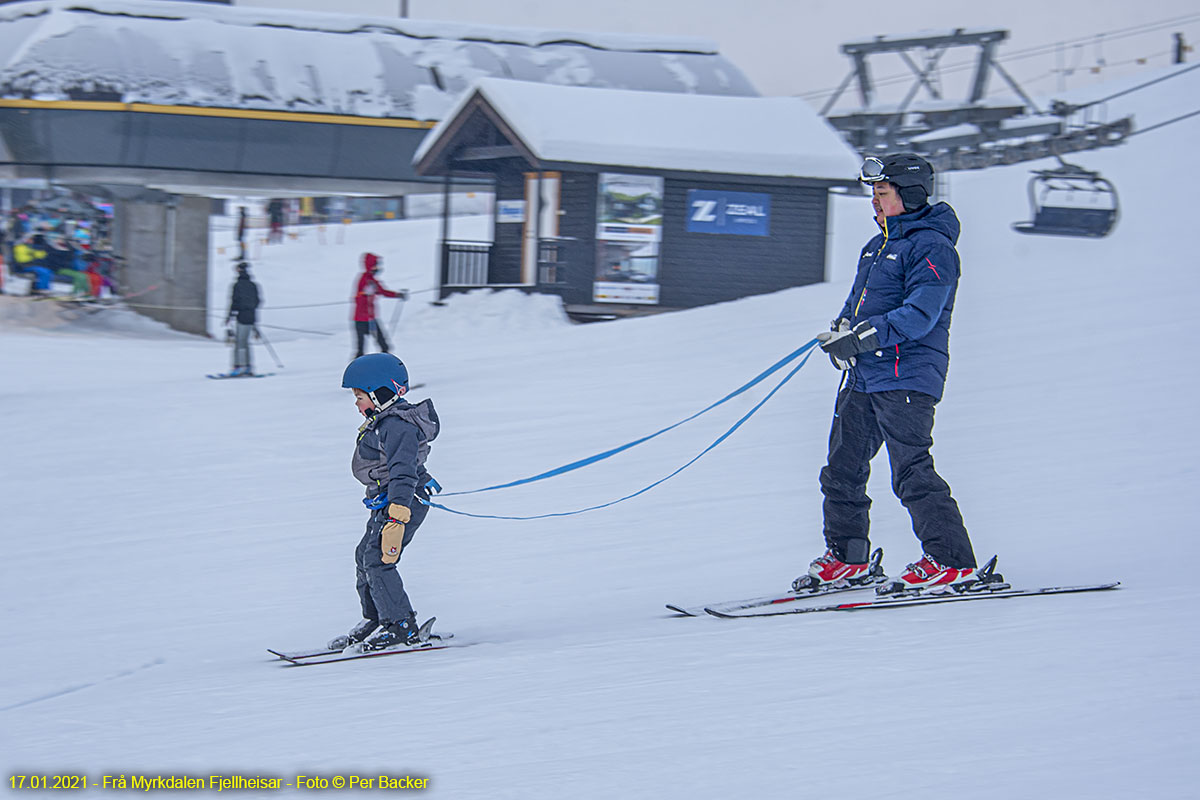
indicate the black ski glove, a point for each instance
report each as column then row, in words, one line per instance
column 835, row 325
column 844, row 344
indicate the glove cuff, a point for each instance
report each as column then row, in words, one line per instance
column 867, row 336
column 399, row 513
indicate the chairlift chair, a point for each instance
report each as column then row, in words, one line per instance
column 1070, row 201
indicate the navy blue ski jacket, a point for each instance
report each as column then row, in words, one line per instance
column 905, row 286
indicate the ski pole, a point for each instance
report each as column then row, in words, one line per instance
column 270, row 349
column 396, row 313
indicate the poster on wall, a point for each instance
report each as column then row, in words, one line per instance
column 744, row 213
column 628, row 234
column 626, row 272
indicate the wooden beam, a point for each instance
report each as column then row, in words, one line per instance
column 487, row 153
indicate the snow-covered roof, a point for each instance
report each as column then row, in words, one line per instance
column 770, row 136
column 160, row 52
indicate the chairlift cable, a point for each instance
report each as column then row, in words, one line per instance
column 1029, row 52
column 1140, row 86
column 1162, row 124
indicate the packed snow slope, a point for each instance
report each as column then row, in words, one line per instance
column 161, row 530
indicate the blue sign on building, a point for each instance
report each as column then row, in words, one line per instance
column 744, row 213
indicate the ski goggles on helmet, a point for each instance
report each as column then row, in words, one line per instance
column 871, row 170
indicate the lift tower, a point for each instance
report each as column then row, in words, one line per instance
column 967, row 134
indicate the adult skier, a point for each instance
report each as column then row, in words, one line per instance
column 244, row 300
column 365, row 290
column 891, row 339
column 389, row 459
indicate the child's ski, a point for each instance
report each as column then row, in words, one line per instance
column 300, row 655
column 428, row 641
column 302, row 659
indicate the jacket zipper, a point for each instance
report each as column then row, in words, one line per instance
column 863, row 295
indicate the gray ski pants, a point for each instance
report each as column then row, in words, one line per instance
column 380, row 589
column 241, row 346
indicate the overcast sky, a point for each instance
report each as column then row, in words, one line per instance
column 791, row 46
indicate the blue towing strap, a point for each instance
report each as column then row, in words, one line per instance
column 721, row 438
column 583, row 462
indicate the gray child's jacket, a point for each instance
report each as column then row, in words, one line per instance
column 389, row 457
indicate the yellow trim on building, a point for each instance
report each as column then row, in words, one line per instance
column 228, row 113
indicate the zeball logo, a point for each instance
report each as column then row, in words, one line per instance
column 703, row 211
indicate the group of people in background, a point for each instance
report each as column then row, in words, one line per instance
column 245, row 297
column 59, row 241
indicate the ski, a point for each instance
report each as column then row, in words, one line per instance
column 912, row 599
column 304, row 659
column 771, row 600
column 428, row 641
column 300, row 655
column 220, row 376
column 873, row 578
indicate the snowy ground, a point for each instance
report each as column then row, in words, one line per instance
column 160, row 530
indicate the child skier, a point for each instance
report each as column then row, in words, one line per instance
column 389, row 459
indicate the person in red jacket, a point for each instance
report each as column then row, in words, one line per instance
column 368, row 286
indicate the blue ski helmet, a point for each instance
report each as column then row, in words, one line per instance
column 909, row 173
column 380, row 375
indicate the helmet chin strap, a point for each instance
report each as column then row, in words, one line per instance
column 380, row 406
column 371, row 413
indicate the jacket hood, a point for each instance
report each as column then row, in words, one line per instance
column 422, row 415
column 938, row 218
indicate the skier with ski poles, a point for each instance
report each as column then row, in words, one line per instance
column 365, row 321
column 244, row 300
column 891, row 339
column 389, row 459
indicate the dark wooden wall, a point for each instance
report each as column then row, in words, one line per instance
column 700, row 268
column 694, row 268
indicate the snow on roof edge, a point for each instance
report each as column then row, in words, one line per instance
column 772, row 152
column 327, row 22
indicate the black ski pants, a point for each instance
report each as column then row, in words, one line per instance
column 380, row 589
column 903, row 420
column 364, row 329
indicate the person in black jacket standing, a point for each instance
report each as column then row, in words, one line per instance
column 243, row 301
